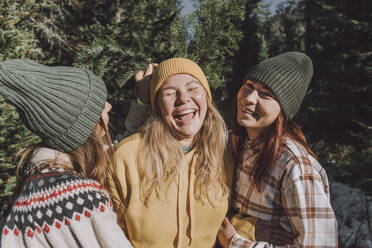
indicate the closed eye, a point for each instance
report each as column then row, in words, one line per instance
column 192, row 88
column 168, row 93
column 266, row 94
column 250, row 86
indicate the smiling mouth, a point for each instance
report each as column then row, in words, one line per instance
column 184, row 115
column 250, row 113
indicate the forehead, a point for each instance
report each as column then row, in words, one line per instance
column 257, row 85
column 179, row 80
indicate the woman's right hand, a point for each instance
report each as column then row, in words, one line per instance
column 273, row 233
column 143, row 81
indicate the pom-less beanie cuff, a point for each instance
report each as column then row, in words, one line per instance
column 288, row 76
column 60, row 104
column 173, row 66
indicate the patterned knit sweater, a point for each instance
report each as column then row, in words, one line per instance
column 61, row 209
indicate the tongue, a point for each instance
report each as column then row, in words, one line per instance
column 186, row 117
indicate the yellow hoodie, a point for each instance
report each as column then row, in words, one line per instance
column 177, row 219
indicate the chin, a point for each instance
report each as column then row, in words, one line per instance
column 245, row 123
column 190, row 133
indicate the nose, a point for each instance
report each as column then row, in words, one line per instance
column 108, row 106
column 182, row 98
column 251, row 97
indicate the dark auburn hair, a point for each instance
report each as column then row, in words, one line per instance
column 267, row 147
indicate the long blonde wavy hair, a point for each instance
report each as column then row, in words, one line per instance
column 160, row 157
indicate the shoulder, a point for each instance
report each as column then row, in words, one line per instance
column 58, row 196
column 50, row 198
column 128, row 143
column 59, row 205
column 299, row 163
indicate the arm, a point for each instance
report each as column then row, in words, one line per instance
column 228, row 236
column 306, row 203
column 99, row 225
column 139, row 110
column 309, row 210
column 116, row 185
column 137, row 115
column 108, row 231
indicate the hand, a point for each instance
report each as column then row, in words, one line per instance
column 143, row 81
column 225, row 233
column 272, row 232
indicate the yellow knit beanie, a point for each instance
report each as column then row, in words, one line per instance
column 173, row 66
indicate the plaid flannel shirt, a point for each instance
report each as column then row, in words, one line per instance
column 295, row 195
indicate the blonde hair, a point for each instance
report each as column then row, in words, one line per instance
column 160, row 157
column 89, row 160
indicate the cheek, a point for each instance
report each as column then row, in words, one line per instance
column 105, row 118
column 166, row 107
column 274, row 110
column 201, row 100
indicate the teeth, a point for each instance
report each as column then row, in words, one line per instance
column 186, row 112
column 248, row 111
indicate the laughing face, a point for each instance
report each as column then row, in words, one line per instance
column 183, row 106
column 256, row 108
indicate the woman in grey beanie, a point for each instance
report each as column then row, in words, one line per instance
column 59, row 201
column 277, row 176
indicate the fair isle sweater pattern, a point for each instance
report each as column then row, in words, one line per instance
column 52, row 201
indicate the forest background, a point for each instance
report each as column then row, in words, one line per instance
column 114, row 39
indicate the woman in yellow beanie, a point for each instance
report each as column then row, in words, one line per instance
column 174, row 175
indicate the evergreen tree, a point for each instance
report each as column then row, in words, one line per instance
column 17, row 39
column 253, row 48
column 137, row 34
column 339, row 118
column 213, row 42
column 286, row 29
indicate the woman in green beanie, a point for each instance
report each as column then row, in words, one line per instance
column 59, row 201
column 278, row 178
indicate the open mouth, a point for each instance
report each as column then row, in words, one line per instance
column 184, row 115
column 251, row 114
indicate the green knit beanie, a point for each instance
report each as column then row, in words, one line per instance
column 60, row 104
column 288, row 76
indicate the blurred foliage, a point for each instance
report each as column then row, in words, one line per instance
column 135, row 34
column 337, row 114
column 215, row 30
column 13, row 136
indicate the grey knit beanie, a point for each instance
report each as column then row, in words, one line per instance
column 60, row 104
column 288, row 76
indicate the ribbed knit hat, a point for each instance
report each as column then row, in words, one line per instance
column 60, row 104
column 173, row 66
column 288, row 76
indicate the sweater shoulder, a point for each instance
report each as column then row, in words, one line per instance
column 47, row 199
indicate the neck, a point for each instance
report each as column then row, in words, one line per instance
column 253, row 133
column 188, row 142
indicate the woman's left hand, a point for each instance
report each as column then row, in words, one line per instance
column 225, row 233
column 143, row 81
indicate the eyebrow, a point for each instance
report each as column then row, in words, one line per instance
column 191, row 82
column 187, row 84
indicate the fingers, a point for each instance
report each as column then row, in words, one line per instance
column 149, row 69
column 139, row 75
column 226, row 222
column 281, row 240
